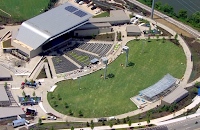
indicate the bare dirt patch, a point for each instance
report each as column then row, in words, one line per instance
column 172, row 26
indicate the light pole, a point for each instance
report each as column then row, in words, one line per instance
column 126, row 49
column 153, row 2
column 105, row 61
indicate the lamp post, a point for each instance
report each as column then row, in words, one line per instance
column 126, row 49
column 105, row 61
column 153, row 2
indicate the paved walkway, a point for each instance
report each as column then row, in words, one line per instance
column 114, row 56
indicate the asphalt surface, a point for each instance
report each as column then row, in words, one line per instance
column 188, row 124
column 169, row 19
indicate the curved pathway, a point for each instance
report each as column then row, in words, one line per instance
column 183, row 83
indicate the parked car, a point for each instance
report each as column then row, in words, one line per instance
column 102, row 119
column 98, row 11
column 88, row 5
column 94, row 7
column 51, row 118
column 81, row 2
column 77, row 1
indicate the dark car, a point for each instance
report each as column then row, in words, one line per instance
column 94, row 7
column 102, row 119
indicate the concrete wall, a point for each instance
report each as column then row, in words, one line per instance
column 4, row 103
column 90, row 32
column 133, row 34
column 25, row 50
column 34, row 53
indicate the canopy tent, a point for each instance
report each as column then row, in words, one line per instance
column 95, row 60
column 166, row 82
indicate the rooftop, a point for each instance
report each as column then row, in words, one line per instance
column 4, row 73
column 4, row 96
column 166, row 82
column 10, row 111
column 133, row 29
column 45, row 26
column 94, row 25
column 176, row 94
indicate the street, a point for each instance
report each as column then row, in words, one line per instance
column 188, row 124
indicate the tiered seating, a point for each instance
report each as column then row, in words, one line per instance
column 61, row 64
column 98, row 48
column 80, row 57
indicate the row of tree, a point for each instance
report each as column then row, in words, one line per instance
column 193, row 20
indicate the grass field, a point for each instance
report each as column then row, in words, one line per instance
column 99, row 97
column 22, row 9
column 104, row 14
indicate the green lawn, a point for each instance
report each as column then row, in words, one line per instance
column 23, row 9
column 104, row 14
column 99, row 97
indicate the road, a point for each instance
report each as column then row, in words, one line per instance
column 187, row 28
column 188, row 124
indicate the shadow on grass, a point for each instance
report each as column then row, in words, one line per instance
column 131, row 64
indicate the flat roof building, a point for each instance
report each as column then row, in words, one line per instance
column 11, row 112
column 4, row 74
column 48, row 26
column 133, row 31
column 175, row 96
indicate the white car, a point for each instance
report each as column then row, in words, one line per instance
column 98, row 11
column 51, row 118
column 81, row 2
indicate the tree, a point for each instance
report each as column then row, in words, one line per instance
column 51, row 95
column 23, row 94
column 182, row 13
column 124, row 120
column 5, row 85
column 195, row 90
column 197, row 84
column 127, row 118
column 58, row 96
column 26, row 99
column 149, row 38
column 32, row 81
column 80, row 113
column 148, row 120
column 87, row 124
column 52, row 128
column 70, row 112
column 66, row 105
column 72, row 128
column 93, row 36
column 103, row 123
column 54, row 103
column 176, row 40
column 129, row 122
column 34, row 94
column 163, row 39
column 136, row 37
column 40, row 121
column 157, row 37
column 36, row 98
column 92, row 125
column 111, row 124
column 25, row 80
column 176, row 36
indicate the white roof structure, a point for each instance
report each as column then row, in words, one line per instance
column 4, row 73
column 133, row 29
column 51, row 24
column 166, row 82
column 4, row 96
column 10, row 111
